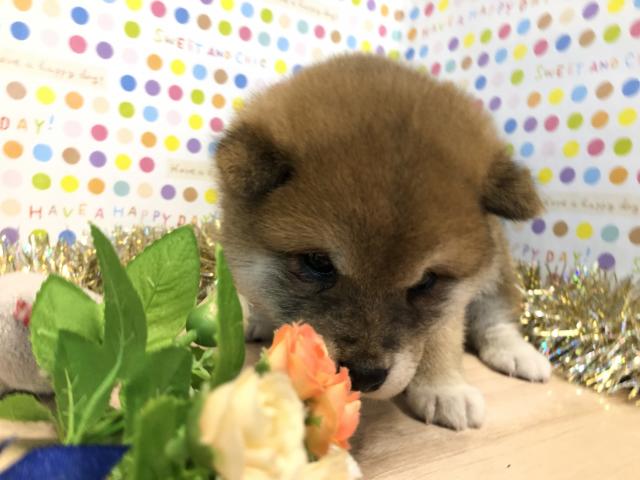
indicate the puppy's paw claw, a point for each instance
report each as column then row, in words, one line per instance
column 457, row 406
column 519, row 359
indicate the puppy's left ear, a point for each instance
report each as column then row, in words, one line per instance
column 509, row 191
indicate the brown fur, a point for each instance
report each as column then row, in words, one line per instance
column 390, row 172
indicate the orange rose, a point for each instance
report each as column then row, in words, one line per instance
column 300, row 352
column 333, row 408
column 335, row 414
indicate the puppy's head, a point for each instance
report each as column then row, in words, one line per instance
column 359, row 196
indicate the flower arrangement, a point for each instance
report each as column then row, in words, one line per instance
column 185, row 406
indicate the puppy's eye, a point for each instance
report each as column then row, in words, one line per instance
column 426, row 284
column 318, row 265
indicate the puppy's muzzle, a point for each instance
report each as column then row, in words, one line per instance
column 366, row 379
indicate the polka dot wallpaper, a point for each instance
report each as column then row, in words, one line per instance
column 110, row 110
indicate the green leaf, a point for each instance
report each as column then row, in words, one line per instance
column 165, row 372
column 157, row 423
column 60, row 305
column 21, row 407
column 83, row 379
column 229, row 330
column 125, row 328
column 166, row 275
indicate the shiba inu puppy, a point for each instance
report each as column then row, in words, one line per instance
column 365, row 198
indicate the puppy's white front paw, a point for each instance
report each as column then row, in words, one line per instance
column 458, row 406
column 517, row 358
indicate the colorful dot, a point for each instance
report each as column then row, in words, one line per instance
column 540, row 47
column 147, row 164
column 203, row 21
column 534, row 98
column 74, row 100
column 148, row 139
column 181, row 15
column 622, row 146
column 132, row 29
column 79, row 15
column 42, row 152
column 145, row 190
column 586, row 38
column 631, row 87
column 504, row 31
column 610, row 233
column 590, row 10
column 152, row 87
column 99, row 132
column 595, row 147
column 178, row 67
column 611, row 33
column 97, row 159
column 634, row 29
column 175, row 92
column 634, row 235
column 618, row 175
column 627, row 116
column 71, row 155
column 538, row 226
column 22, row 5
column 77, row 44
column 563, row 42
column 123, row 161
column 154, row 62
column 545, row 175
column 604, row 90
column 266, row 15
column 158, row 9
column 211, row 196
column 104, row 50
column 194, row 145
column 16, row 90
column 591, row 175
column 606, row 261
column 240, row 80
column 551, row 123
column 501, row 55
column 584, row 231
column 517, row 77
column 69, row 183
column 224, row 28
column 12, row 149
column 510, row 126
column 614, row 6
column 523, row 26
column 195, row 122
column 20, row 30
column 121, row 188
column 526, row 150
column 41, row 181
column 197, row 96
column 560, row 228
column 280, row 66
column 95, row 186
column 567, row 175
column 150, row 113
column 574, row 121
column 247, row 9
column 134, row 4
column 45, row 95
column 556, row 96
column 168, row 192
column 190, row 194
column 216, row 124
column 172, row 143
column 520, row 51
column 579, row 93
column 571, row 148
column 530, row 124
column 600, row 119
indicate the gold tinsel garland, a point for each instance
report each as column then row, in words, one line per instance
column 587, row 323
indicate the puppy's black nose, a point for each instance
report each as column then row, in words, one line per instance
column 366, row 379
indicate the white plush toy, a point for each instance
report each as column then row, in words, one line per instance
column 18, row 368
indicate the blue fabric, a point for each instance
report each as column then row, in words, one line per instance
column 87, row 462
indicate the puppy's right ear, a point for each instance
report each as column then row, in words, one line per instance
column 509, row 191
column 250, row 164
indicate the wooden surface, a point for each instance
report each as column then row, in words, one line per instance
column 532, row 431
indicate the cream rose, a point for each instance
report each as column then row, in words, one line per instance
column 335, row 465
column 255, row 426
